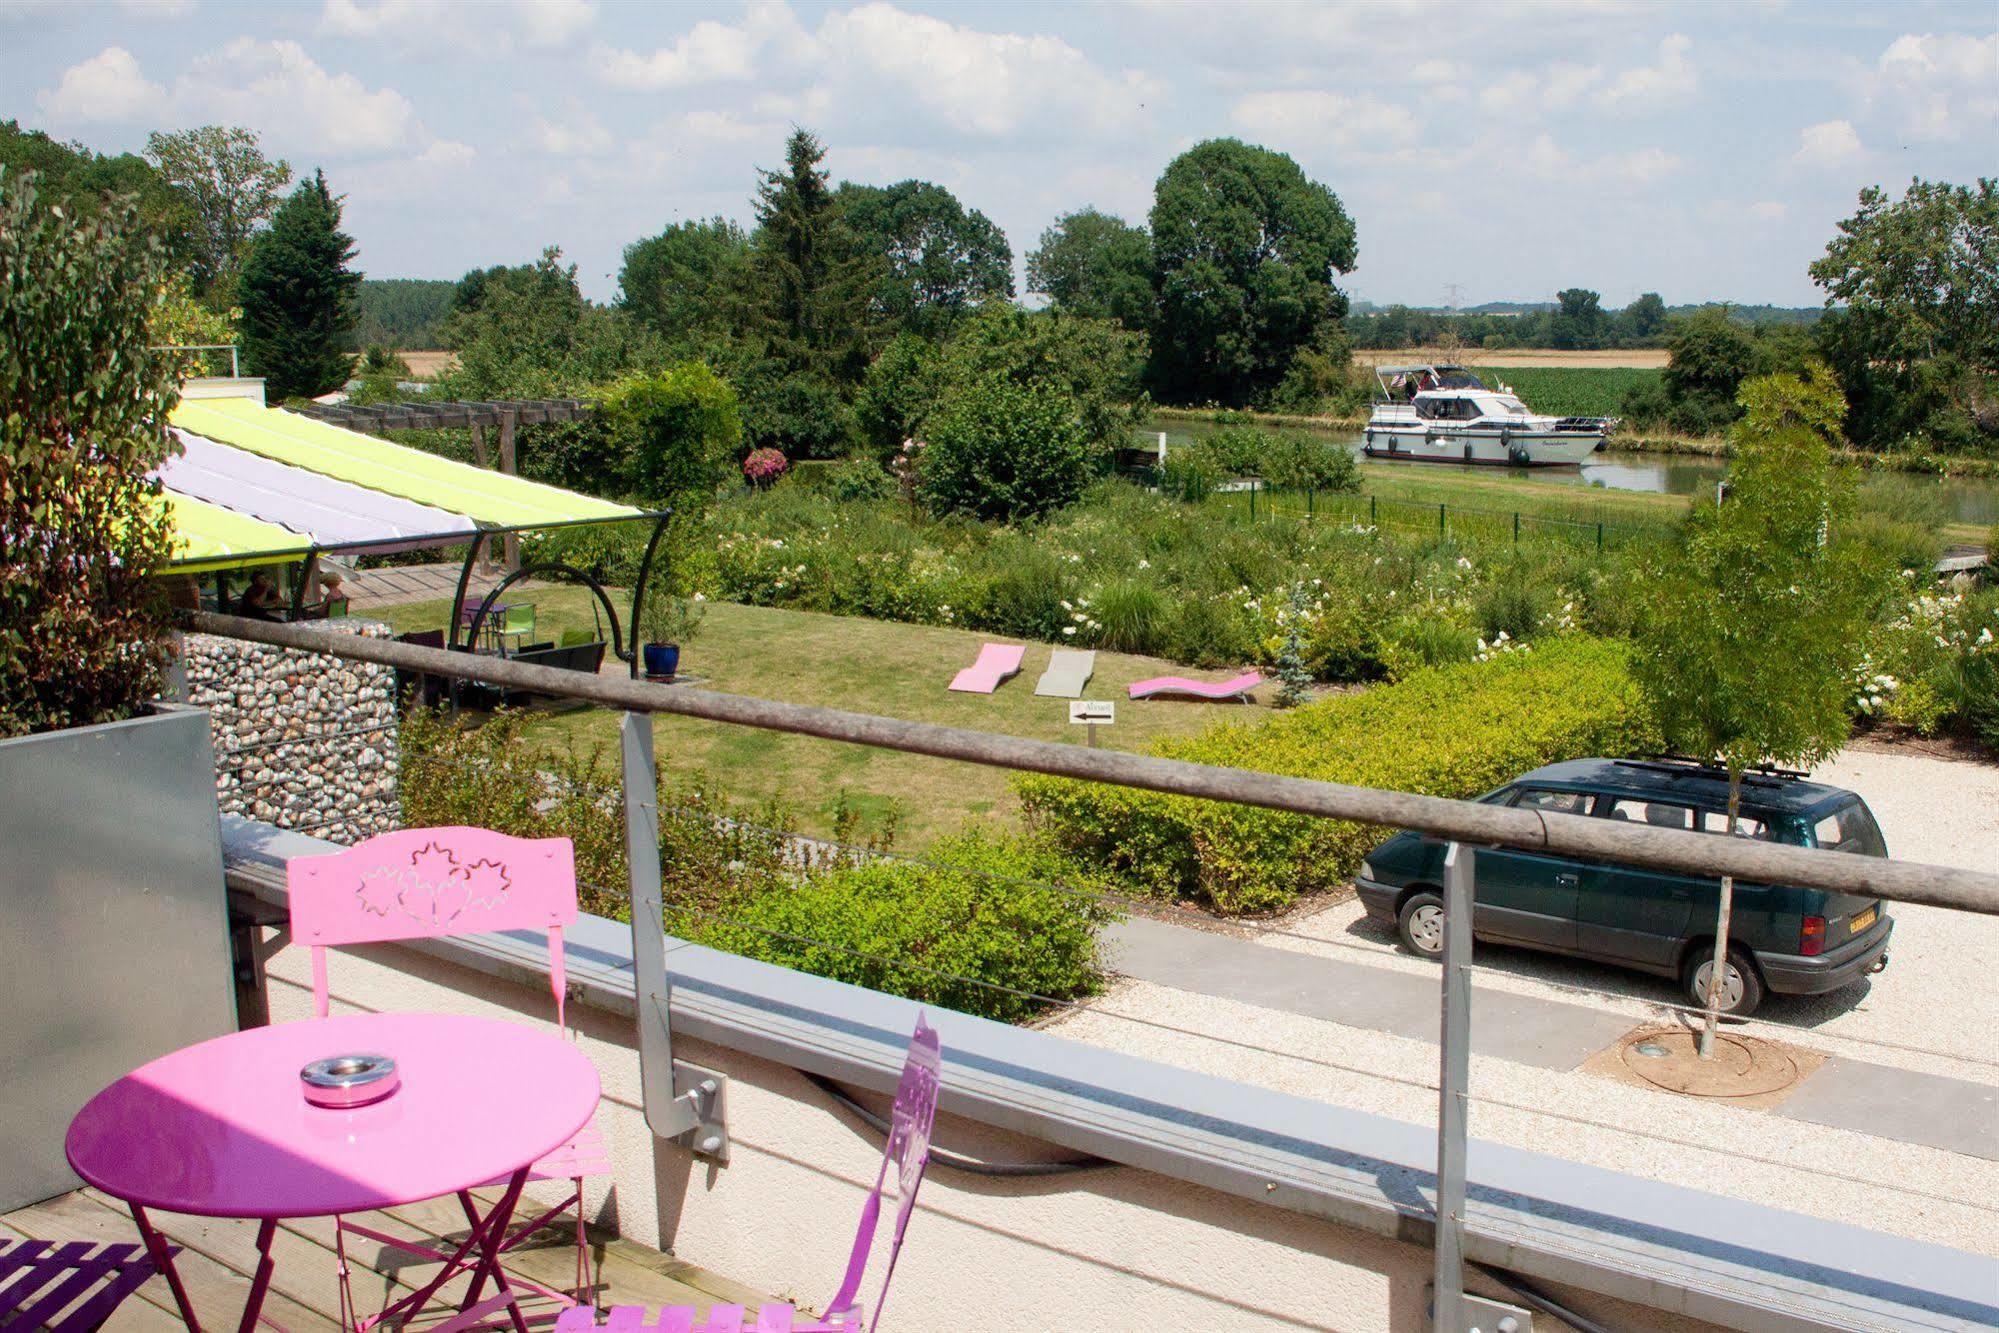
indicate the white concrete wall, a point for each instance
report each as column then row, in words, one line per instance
column 1113, row 1249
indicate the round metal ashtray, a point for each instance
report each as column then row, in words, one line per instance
column 344, row 1081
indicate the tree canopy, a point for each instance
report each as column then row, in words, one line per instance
column 685, row 282
column 1244, row 252
column 942, row 259
column 1095, row 265
column 1917, row 343
column 529, row 332
column 231, row 188
column 297, row 294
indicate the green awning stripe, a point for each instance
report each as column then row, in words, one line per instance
column 394, row 469
column 210, row 537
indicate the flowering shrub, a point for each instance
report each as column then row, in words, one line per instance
column 1935, row 667
column 764, row 466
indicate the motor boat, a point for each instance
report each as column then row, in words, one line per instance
column 1446, row 414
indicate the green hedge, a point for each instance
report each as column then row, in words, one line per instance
column 1450, row 731
column 980, row 909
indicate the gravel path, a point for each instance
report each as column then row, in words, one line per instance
column 1936, row 1008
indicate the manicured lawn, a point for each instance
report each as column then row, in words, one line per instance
column 868, row 666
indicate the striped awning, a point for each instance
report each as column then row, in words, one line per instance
column 256, row 484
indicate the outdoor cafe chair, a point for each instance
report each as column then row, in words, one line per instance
column 907, row 1150
column 44, row 1284
column 516, row 622
column 433, row 882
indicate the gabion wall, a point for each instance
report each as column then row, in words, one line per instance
column 302, row 740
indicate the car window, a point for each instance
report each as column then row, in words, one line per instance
column 1567, row 802
column 1746, row 826
column 1659, row 814
column 1850, row 829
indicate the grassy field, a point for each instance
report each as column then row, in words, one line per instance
column 868, row 666
column 1570, row 391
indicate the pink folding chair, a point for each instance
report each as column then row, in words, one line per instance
column 426, row 883
column 70, row 1287
column 908, row 1150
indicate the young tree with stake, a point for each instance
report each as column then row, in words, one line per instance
column 1754, row 623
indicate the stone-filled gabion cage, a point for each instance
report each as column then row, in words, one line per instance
column 302, row 740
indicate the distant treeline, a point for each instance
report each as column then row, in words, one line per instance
column 403, row 314
column 1576, row 320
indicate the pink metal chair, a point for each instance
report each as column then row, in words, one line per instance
column 908, row 1150
column 426, row 883
column 45, row 1284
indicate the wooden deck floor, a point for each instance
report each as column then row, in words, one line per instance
column 217, row 1258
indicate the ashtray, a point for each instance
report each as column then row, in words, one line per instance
column 345, row 1081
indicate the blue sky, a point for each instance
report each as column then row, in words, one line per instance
column 1512, row 148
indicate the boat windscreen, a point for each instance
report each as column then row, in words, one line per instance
column 1455, row 378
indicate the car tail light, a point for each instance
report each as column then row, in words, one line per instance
column 1811, row 940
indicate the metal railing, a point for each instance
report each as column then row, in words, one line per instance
column 1467, row 825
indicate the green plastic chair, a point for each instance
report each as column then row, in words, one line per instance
column 516, row 623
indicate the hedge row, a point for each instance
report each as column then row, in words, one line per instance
column 1450, row 731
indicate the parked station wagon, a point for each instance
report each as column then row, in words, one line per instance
column 1792, row 941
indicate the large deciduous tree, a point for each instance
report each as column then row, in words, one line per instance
column 1750, row 628
column 1578, row 319
column 75, row 175
column 83, row 425
column 1095, row 265
column 1244, row 252
column 529, row 332
column 685, row 282
column 941, row 259
column 231, row 188
column 297, row 294
column 1916, row 345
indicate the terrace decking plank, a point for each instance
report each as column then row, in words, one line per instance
column 304, row 1271
column 217, row 1290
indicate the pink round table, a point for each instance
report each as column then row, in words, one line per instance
column 221, row 1129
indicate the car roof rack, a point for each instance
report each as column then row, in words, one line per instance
column 1761, row 775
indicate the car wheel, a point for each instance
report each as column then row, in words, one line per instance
column 1741, row 988
column 1421, row 924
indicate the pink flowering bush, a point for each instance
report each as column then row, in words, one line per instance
column 764, row 466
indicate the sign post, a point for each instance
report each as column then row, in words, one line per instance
column 1092, row 713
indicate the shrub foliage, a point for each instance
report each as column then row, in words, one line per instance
column 1453, row 731
column 83, row 408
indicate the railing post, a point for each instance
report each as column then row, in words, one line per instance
column 1373, row 515
column 1440, row 520
column 1453, row 1088
column 1516, row 527
column 1599, row 537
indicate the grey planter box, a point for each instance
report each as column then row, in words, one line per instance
column 113, row 923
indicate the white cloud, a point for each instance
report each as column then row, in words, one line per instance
column 709, row 52
column 158, row 9
column 1831, row 143
column 572, row 131
column 1535, row 91
column 1642, row 166
column 1940, row 87
column 278, row 89
column 1652, row 87
column 988, row 84
column 107, row 87
column 480, row 25
column 1767, row 210
column 1303, row 116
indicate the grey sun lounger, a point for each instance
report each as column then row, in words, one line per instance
column 1069, row 669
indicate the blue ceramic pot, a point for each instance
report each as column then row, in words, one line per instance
column 662, row 659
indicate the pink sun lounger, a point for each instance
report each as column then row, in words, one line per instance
column 996, row 662
column 1237, row 688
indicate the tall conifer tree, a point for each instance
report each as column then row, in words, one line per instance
column 298, row 296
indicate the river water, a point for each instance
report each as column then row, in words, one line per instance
column 1947, row 499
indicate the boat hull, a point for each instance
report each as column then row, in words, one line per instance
column 1482, row 448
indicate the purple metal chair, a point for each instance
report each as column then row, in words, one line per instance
column 40, row 1280
column 908, row 1150
column 426, row 883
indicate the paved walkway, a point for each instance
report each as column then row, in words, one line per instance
column 397, row 584
column 1952, row 1114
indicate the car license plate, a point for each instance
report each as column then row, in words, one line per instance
column 1861, row 921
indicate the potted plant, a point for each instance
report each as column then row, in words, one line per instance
column 667, row 622
column 111, row 892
